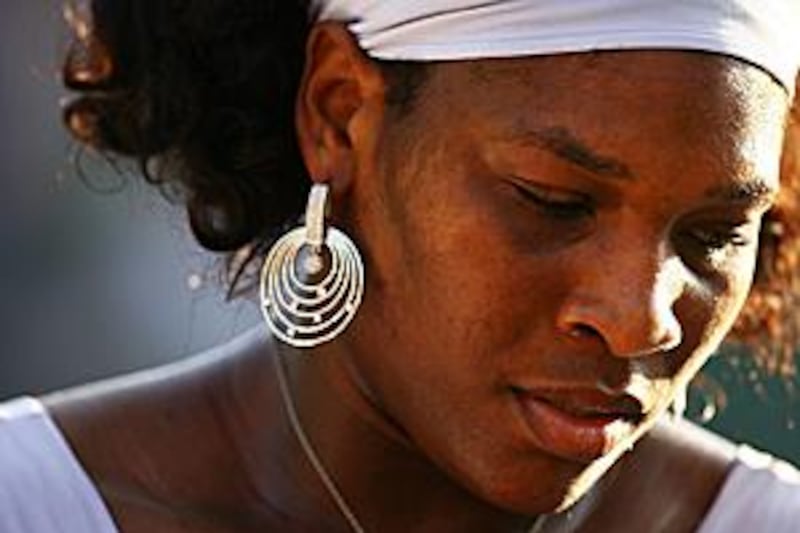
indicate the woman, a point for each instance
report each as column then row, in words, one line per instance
column 531, row 224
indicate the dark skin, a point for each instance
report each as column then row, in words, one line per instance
column 213, row 488
column 508, row 178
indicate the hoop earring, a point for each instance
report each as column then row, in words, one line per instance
column 312, row 280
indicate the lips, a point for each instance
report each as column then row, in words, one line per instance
column 578, row 425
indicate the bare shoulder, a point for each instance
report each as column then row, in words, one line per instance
column 673, row 475
column 689, row 462
column 129, row 414
column 147, row 439
column 686, row 442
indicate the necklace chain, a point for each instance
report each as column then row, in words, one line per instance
column 309, row 451
column 319, row 466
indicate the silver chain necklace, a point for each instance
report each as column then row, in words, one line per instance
column 316, row 462
column 309, row 451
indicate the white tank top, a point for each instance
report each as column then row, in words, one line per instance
column 44, row 489
column 760, row 494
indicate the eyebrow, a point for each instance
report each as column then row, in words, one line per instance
column 566, row 145
column 755, row 191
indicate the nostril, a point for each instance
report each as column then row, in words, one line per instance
column 625, row 326
column 580, row 331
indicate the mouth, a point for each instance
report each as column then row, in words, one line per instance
column 578, row 425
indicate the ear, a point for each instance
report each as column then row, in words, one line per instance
column 339, row 86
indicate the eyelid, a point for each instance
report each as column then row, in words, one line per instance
column 554, row 202
column 555, row 193
column 733, row 236
column 722, row 239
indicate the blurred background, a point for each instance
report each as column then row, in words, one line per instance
column 99, row 275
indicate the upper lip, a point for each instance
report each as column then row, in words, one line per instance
column 588, row 402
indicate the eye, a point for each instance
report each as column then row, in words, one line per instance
column 717, row 242
column 555, row 203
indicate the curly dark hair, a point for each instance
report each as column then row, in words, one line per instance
column 201, row 94
column 770, row 321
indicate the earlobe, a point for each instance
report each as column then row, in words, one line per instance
column 337, row 83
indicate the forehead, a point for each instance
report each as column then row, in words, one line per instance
column 587, row 81
column 646, row 107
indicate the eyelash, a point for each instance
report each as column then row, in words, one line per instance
column 556, row 204
column 571, row 206
column 714, row 241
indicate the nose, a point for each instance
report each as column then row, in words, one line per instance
column 628, row 300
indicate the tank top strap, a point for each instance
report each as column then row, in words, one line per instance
column 760, row 493
column 43, row 487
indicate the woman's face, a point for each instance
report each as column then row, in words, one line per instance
column 554, row 247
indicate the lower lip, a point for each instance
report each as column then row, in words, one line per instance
column 569, row 436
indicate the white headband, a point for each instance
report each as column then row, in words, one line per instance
column 763, row 32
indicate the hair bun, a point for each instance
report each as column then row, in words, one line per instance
column 207, row 88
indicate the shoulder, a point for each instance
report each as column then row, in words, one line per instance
column 688, row 460
column 684, row 442
column 701, row 480
column 673, row 474
column 761, row 493
column 147, row 439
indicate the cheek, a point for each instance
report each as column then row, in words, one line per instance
column 709, row 313
column 469, row 272
column 450, row 287
column 730, row 300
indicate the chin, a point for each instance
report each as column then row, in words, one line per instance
column 534, row 493
column 571, row 484
column 592, row 474
column 572, row 492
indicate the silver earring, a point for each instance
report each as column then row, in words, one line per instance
column 312, row 281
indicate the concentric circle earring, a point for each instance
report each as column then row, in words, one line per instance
column 312, row 281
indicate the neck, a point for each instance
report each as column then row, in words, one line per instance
column 386, row 482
